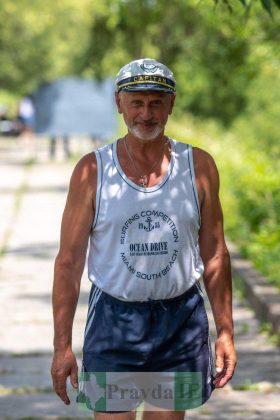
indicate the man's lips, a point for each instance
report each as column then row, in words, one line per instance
column 146, row 123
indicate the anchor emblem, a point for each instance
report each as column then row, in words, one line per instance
column 149, row 226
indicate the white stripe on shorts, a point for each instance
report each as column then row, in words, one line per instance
column 92, row 311
column 90, row 306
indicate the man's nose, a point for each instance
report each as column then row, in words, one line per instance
column 146, row 112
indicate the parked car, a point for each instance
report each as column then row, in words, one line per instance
column 9, row 127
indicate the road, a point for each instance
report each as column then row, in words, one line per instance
column 32, row 201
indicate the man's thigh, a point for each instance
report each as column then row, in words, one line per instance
column 163, row 415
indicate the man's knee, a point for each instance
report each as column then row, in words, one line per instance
column 163, row 415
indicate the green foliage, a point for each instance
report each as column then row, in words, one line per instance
column 250, row 191
column 207, row 49
column 256, row 185
column 257, row 194
column 267, row 5
column 247, row 4
column 11, row 102
column 274, row 338
column 248, row 385
column 227, row 70
column 39, row 41
column 258, row 123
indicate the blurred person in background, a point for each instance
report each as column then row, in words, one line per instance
column 66, row 146
column 26, row 118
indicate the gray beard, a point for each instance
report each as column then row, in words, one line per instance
column 146, row 136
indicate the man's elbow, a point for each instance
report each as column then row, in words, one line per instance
column 219, row 256
column 68, row 263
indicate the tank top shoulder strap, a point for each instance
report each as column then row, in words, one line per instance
column 103, row 158
column 105, row 154
column 185, row 156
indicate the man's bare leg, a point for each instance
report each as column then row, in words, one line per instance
column 131, row 415
column 163, row 415
column 147, row 415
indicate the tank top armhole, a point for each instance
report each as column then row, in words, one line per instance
column 190, row 157
column 98, row 187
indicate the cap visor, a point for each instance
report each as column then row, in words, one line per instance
column 148, row 86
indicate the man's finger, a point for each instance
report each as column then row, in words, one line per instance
column 74, row 377
column 223, row 377
column 62, row 393
column 64, row 397
column 219, row 363
column 59, row 381
column 221, row 381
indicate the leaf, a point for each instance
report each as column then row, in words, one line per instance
column 228, row 5
column 244, row 2
column 267, row 6
column 277, row 2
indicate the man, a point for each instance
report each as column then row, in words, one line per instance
column 151, row 208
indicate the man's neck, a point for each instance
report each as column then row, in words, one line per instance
column 143, row 146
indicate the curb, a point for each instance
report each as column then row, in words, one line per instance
column 262, row 296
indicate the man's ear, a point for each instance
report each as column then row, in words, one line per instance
column 118, row 102
column 172, row 103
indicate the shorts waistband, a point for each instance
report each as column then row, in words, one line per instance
column 151, row 302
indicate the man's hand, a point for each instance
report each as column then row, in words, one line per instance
column 64, row 364
column 225, row 360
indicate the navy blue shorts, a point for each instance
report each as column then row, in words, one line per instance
column 137, row 351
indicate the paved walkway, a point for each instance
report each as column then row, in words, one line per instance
column 31, row 204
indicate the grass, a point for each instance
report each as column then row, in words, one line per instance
column 245, row 328
column 247, row 385
column 25, row 390
column 274, row 338
column 18, row 197
column 239, row 288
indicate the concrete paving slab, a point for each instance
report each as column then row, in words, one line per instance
column 40, row 406
column 26, row 316
column 263, row 296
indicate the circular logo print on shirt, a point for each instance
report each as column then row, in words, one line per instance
column 149, row 244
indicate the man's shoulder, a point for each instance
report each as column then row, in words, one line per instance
column 205, row 168
column 88, row 159
column 86, row 168
column 202, row 157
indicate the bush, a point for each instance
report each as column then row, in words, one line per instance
column 250, row 191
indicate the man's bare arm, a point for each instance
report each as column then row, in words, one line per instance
column 69, row 264
column 216, row 259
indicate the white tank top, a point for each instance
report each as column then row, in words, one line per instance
column 144, row 241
